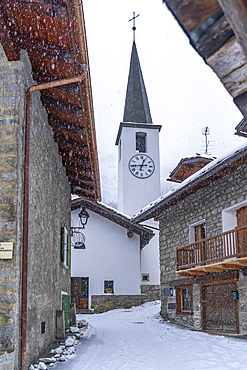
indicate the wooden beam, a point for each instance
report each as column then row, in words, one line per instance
column 64, row 107
column 230, row 266
column 236, row 13
column 82, row 192
column 213, row 269
column 64, row 96
column 55, row 122
column 198, row 272
column 70, row 135
column 74, row 161
column 88, row 182
column 69, row 143
column 79, row 171
column 72, row 118
column 11, row 48
column 185, row 274
column 82, row 153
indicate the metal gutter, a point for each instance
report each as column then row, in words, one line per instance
column 26, row 204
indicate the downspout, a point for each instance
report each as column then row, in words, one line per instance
column 26, row 204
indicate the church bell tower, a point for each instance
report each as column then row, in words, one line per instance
column 138, row 146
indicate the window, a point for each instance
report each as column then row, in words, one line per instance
column 108, row 286
column 141, row 142
column 145, row 277
column 200, row 232
column 184, row 299
column 197, row 231
column 65, row 247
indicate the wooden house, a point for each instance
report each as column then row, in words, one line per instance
column 47, row 151
column 203, row 250
column 217, row 31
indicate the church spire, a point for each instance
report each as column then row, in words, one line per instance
column 136, row 108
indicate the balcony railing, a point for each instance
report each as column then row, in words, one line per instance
column 230, row 244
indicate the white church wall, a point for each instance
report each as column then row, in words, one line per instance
column 109, row 255
column 150, row 258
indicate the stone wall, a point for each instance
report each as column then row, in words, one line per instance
column 108, row 302
column 12, row 95
column 206, row 203
column 150, row 292
column 49, row 208
column 7, row 360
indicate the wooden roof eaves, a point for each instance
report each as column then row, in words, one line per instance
column 78, row 34
column 226, row 165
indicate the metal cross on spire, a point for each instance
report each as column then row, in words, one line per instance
column 134, row 27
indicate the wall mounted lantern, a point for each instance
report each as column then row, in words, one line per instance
column 84, row 216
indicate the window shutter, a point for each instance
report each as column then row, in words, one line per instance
column 62, row 243
column 69, row 251
column 65, row 245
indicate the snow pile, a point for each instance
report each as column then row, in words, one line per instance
column 65, row 350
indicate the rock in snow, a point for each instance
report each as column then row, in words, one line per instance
column 42, row 366
column 62, row 353
column 70, row 341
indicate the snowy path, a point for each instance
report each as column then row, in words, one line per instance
column 138, row 339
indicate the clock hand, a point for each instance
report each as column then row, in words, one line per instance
column 142, row 164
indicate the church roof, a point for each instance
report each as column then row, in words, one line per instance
column 115, row 216
column 136, row 103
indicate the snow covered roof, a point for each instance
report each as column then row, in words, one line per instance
column 115, row 216
column 192, row 183
column 189, row 165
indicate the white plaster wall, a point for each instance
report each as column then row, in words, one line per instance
column 134, row 193
column 229, row 216
column 109, row 255
column 150, row 257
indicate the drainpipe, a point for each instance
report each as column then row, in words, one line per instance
column 26, row 205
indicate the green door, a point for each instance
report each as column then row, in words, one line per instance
column 66, row 309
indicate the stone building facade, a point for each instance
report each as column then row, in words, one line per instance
column 49, row 208
column 210, row 200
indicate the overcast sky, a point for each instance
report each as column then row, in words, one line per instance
column 184, row 94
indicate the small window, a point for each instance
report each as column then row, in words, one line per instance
column 145, row 277
column 65, row 247
column 141, row 142
column 197, row 231
column 200, row 232
column 184, row 299
column 42, row 327
column 108, row 286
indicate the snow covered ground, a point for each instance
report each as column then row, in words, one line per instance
column 137, row 338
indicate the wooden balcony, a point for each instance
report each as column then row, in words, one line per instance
column 217, row 253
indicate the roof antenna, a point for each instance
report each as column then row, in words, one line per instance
column 206, row 132
column 134, row 27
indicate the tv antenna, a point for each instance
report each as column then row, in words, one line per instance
column 134, row 27
column 206, row 132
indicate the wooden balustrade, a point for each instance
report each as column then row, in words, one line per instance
column 230, row 244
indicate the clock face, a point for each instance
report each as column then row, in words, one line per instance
column 141, row 166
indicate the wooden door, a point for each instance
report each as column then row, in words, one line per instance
column 219, row 309
column 242, row 232
column 84, row 293
column 242, row 216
